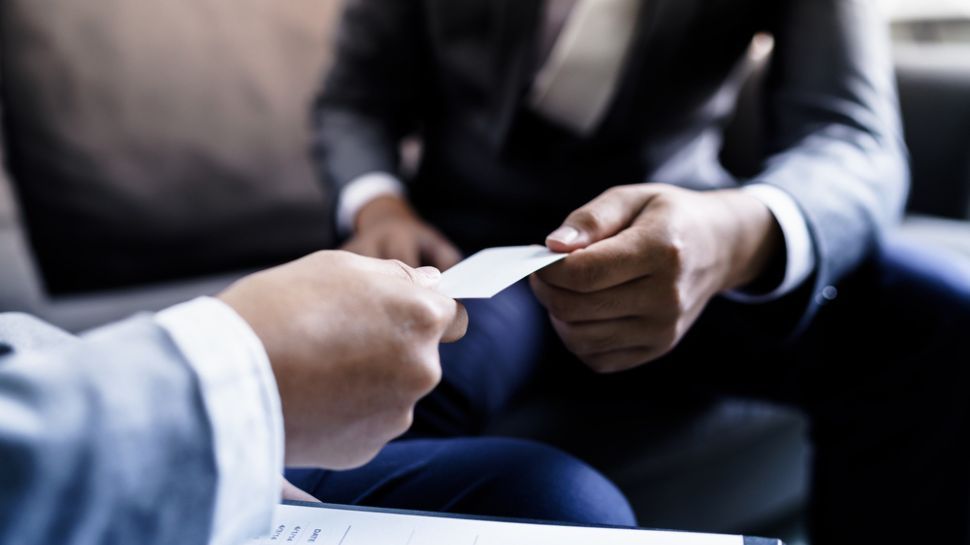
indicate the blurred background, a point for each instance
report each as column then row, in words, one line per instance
column 155, row 151
column 929, row 21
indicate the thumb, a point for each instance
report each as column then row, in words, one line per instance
column 427, row 277
column 603, row 217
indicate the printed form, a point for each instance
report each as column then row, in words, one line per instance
column 332, row 525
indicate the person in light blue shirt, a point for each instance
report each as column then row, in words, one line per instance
column 174, row 428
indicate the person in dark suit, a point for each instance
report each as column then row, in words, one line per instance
column 597, row 126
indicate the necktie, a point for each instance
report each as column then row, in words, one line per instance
column 575, row 86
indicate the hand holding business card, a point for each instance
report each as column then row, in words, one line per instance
column 489, row 272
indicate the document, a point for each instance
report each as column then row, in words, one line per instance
column 489, row 272
column 321, row 524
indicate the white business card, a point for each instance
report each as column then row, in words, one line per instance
column 489, row 272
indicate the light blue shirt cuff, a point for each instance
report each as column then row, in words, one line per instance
column 243, row 404
column 799, row 247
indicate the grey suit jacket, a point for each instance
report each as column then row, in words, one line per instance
column 103, row 439
column 457, row 73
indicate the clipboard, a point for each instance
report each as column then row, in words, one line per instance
column 300, row 523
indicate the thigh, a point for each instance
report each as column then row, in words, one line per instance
column 884, row 374
column 479, row 476
column 896, row 331
column 484, row 371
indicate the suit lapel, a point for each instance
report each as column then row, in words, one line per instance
column 516, row 42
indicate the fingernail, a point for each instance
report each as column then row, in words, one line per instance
column 564, row 235
column 430, row 273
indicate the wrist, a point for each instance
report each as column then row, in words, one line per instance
column 381, row 209
column 756, row 242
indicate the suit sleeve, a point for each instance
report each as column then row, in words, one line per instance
column 372, row 95
column 105, row 439
column 835, row 137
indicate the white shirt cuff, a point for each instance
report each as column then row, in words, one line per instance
column 361, row 191
column 799, row 248
column 243, row 404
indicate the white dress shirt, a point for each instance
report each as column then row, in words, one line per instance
column 574, row 88
column 243, row 404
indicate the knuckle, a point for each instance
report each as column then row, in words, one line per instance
column 427, row 316
column 423, row 375
column 672, row 254
column 590, row 219
column 429, row 377
column 667, row 338
column 401, row 270
column 401, row 423
column 624, row 192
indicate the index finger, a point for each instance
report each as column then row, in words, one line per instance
column 606, row 264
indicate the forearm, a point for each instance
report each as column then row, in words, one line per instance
column 850, row 192
column 835, row 136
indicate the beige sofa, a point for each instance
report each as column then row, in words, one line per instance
column 169, row 139
column 187, row 119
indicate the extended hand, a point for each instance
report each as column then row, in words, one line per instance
column 353, row 342
column 388, row 228
column 646, row 260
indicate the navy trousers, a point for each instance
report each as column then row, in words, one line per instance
column 480, row 476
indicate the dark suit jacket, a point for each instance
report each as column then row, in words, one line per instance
column 457, row 73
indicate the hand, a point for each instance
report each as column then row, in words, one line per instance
column 388, row 228
column 353, row 342
column 646, row 260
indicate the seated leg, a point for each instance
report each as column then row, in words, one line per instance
column 485, row 370
column 891, row 412
column 478, row 476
